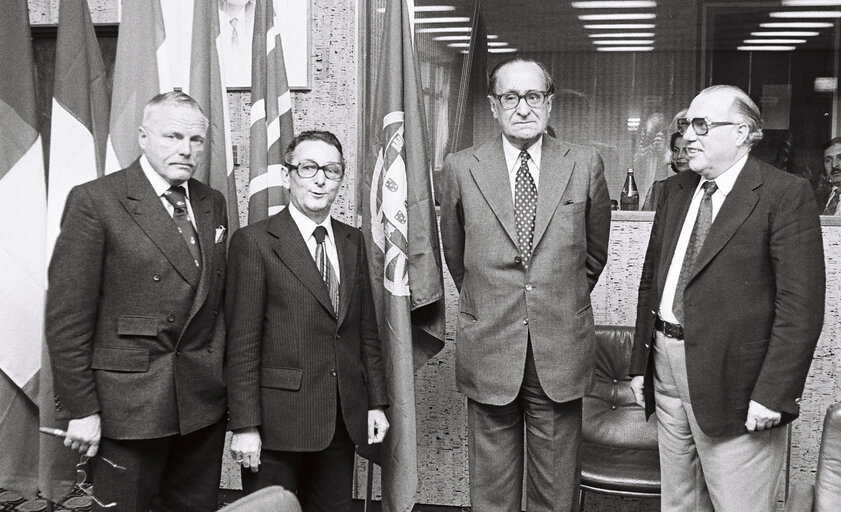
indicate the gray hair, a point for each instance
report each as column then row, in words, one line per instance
column 744, row 108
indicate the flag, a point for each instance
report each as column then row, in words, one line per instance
column 401, row 234
column 79, row 133
column 23, row 224
column 208, row 89
column 271, row 116
column 141, row 71
column 474, row 82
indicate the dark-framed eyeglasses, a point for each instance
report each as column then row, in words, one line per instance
column 701, row 125
column 510, row 100
column 82, row 476
column 308, row 169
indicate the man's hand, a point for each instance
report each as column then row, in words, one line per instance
column 83, row 435
column 636, row 387
column 377, row 426
column 761, row 417
column 245, row 448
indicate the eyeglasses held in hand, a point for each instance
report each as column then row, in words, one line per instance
column 308, row 169
column 701, row 125
column 82, row 476
column 510, row 100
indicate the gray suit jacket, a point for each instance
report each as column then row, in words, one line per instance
column 501, row 304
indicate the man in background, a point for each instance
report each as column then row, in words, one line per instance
column 832, row 167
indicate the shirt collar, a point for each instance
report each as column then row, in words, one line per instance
column 306, row 225
column 725, row 181
column 159, row 184
column 512, row 154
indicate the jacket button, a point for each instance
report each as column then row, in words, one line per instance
column 612, row 407
column 526, row 321
column 528, row 287
column 170, row 318
column 333, row 373
column 156, row 278
column 215, row 313
column 177, row 353
column 518, row 259
column 210, row 349
column 646, row 345
column 338, row 336
column 615, row 381
column 219, row 272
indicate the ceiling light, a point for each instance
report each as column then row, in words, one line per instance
column 625, row 41
column 459, row 45
column 625, row 49
column 618, row 16
column 502, row 50
column 811, row 3
column 620, row 26
column 451, row 19
column 497, row 43
column 765, row 48
column 797, row 24
column 434, row 8
column 627, row 4
column 623, row 34
column 774, row 41
column 442, row 30
column 785, row 33
column 461, row 38
column 806, row 14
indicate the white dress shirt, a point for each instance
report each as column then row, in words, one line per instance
column 160, row 185
column 307, row 226
column 512, row 161
column 724, row 182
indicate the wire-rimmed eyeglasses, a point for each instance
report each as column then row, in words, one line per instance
column 510, row 100
column 701, row 125
column 308, row 169
column 82, row 476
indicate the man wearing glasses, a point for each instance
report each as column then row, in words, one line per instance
column 525, row 221
column 305, row 371
column 730, row 309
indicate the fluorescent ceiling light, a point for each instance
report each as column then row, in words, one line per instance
column 765, row 48
column 461, row 38
column 459, row 45
column 785, row 33
column 774, row 41
column 434, row 8
column 443, row 30
column 797, row 24
column 497, row 43
column 627, row 4
column 451, row 19
column 502, row 50
column 620, row 26
column 625, row 41
column 622, row 34
column 806, row 14
column 811, row 3
column 625, row 49
column 617, row 16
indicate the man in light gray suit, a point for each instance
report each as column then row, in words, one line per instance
column 525, row 221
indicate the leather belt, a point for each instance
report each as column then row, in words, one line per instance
column 669, row 329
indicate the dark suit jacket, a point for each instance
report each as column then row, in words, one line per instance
column 291, row 358
column 754, row 302
column 133, row 326
column 501, row 304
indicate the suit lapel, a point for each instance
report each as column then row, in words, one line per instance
column 491, row 177
column 674, row 222
column 292, row 250
column 149, row 213
column 555, row 171
column 202, row 205
column 347, row 251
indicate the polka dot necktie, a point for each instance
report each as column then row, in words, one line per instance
column 325, row 267
column 696, row 241
column 177, row 197
column 525, row 208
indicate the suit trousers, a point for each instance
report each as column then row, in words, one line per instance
column 552, row 441
column 701, row 473
column 322, row 480
column 177, row 473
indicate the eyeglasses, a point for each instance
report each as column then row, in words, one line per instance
column 308, row 169
column 82, row 476
column 701, row 125
column 510, row 100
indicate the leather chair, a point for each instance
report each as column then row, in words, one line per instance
column 268, row 499
column 825, row 494
column 619, row 454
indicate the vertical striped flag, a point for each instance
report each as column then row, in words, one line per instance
column 141, row 71
column 271, row 117
column 403, row 252
column 23, row 224
column 207, row 87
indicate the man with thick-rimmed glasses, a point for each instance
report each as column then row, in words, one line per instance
column 730, row 309
column 525, row 221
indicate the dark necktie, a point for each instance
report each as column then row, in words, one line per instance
column 324, row 266
column 832, row 203
column 696, row 241
column 178, row 199
column 525, row 208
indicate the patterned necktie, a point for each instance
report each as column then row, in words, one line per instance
column 696, row 241
column 525, row 208
column 832, row 204
column 234, row 33
column 324, row 266
column 178, row 199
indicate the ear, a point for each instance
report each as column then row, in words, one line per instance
column 549, row 103
column 494, row 110
column 142, row 137
column 742, row 133
column 284, row 177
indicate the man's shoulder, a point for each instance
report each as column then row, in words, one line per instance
column 476, row 151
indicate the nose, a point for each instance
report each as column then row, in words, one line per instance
column 320, row 177
column 185, row 146
column 522, row 107
column 689, row 135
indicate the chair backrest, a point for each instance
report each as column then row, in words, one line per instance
column 828, row 477
column 268, row 499
column 611, row 417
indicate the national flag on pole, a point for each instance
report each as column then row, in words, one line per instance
column 403, row 252
column 473, row 85
column 208, row 89
column 79, row 133
column 141, row 71
column 23, row 224
column 271, row 116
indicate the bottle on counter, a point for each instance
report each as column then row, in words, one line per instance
column 630, row 199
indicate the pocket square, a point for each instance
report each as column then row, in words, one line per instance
column 220, row 234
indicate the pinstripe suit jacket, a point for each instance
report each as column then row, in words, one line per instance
column 291, row 357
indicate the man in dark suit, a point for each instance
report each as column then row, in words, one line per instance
column 730, row 309
column 306, row 378
column 134, row 332
column 525, row 221
column 832, row 177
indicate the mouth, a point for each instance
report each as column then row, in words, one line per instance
column 692, row 151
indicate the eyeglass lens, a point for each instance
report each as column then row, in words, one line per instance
column 308, row 169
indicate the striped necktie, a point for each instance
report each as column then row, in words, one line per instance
column 177, row 197
column 324, row 266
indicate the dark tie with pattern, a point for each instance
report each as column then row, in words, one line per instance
column 696, row 241
column 178, row 199
column 525, row 208
column 832, row 203
column 324, row 266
